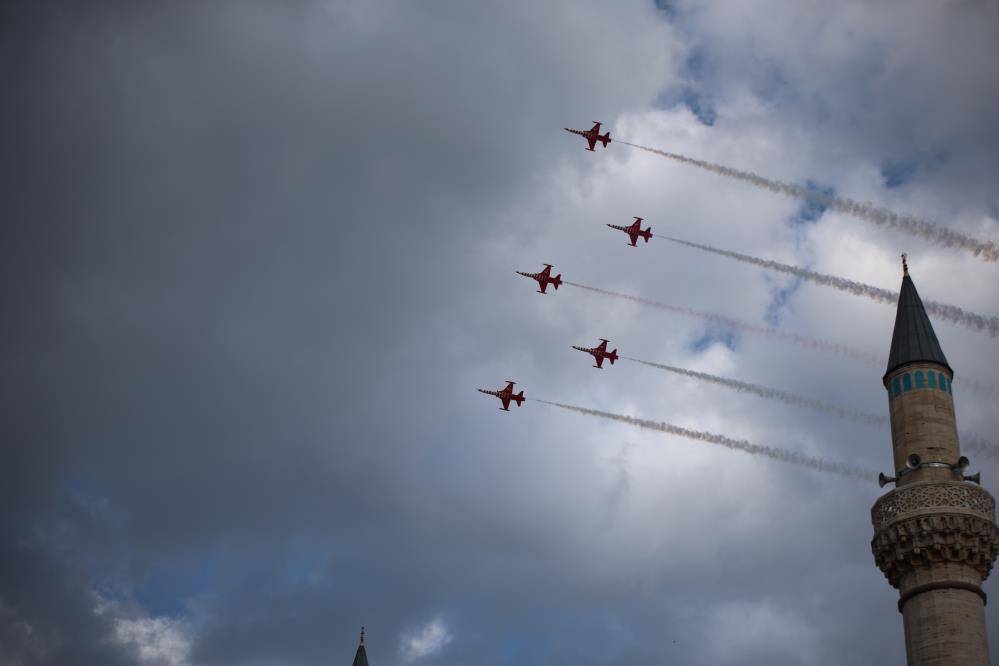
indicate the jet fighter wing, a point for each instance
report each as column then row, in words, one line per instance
column 602, row 347
column 592, row 141
column 633, row 235
column 596, row 127
column 506, row 402
column 599, row 359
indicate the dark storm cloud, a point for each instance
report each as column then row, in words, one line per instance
column 220, row 298
column 255, row 258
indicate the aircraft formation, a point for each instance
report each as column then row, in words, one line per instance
column 544, row 278
column 984, row 249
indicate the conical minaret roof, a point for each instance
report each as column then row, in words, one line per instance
column 361, row 658
column 913, row 339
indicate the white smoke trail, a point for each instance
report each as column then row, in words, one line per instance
column 814, row 344
column 800, row 340
column 987, row 250
column 957, row 315
column 951, row 313
column 783, row 455
column 772, row 394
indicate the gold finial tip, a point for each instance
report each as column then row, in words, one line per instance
column 905, row 265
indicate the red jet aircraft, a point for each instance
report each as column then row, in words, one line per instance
column 634, row 230
column 506, row 395
column 592, row 135
column 599, row 353
column 544, row 278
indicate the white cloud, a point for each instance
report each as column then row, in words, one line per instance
column 156, row 641
column 429, row 640
column 160, row 641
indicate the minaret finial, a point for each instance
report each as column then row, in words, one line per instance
column 905, row 265
column 362, row 634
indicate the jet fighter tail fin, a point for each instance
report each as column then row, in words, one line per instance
column 557, row 280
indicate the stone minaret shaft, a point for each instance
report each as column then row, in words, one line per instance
column 935, row 536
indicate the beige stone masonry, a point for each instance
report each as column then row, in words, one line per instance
column 935, row 536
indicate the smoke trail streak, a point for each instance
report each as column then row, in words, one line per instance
column 957, row 315
column 987, row 250
column 971, row 442
column 772, row 394
column 951, row 313
column 800, row 340
column 783, row 455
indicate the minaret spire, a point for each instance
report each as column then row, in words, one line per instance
column 361, row 657
column 913, row 339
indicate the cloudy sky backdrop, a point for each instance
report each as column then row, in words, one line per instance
column 257, row 256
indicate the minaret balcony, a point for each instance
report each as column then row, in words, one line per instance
column 934, row 521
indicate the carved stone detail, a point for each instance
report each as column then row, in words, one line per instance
column 932, row 497
column 922, row 541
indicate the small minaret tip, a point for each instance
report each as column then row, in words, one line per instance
column 905, row 265
column 362, row 634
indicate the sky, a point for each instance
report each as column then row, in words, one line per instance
column 257, row 256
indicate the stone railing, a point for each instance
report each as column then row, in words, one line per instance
column 932, row 498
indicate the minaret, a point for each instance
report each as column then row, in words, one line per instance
column 361, row 658
column 935, row 536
